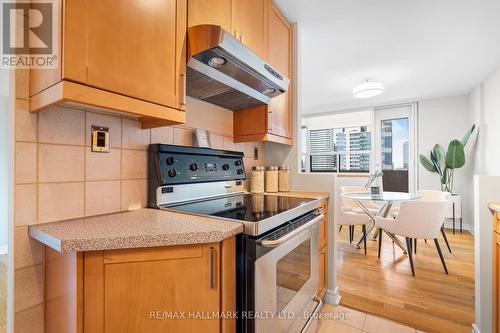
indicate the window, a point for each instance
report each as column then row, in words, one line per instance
column 346, row 149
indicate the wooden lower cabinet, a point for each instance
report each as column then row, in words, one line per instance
column 164, row 289
column 323, row 251
column 323, row 271
column 496, row 280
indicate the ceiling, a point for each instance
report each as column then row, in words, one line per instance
column 418, row 49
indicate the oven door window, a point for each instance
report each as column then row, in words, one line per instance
column 292, row 272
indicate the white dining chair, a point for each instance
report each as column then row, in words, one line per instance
column 418, row 219
column 347, row 217
column 428, row 195
column 349, row 206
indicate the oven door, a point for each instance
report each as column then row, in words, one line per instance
column 286, row 280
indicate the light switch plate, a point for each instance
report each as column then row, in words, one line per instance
column 100, row 139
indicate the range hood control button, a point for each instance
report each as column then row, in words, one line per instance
column 193, row 167
column 237, row 162
column 239, row 171
column 172, row 173
column 170, row 160
column 225, row 167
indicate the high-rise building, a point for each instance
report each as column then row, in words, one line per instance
column 405, row 155
column 359, row 140
column 386, row 145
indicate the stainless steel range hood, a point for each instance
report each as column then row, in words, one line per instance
column 223, row 71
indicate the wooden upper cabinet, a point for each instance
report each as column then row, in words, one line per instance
column 119, row 51
column 280, row 57
column 216, row 12
column 272, row 122
column 250, row 24
column 244, row 19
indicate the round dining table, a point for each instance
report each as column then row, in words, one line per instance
column 385, row 201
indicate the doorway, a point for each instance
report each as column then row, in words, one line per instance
column 395, row 146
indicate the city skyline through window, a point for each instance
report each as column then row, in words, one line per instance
column 394, row 144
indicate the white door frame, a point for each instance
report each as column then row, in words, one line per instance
column 395, row 112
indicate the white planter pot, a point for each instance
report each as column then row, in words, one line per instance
column 455, row 211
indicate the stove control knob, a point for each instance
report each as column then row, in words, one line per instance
column 193, row 167
column 237, row 162
column 225, row 167
column 170, row 160
column 172, row 173
column 239, row 171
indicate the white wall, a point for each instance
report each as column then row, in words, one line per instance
column 485, row 109
column 440, row 121
column 491, row 126
column 4, row 162
column 339, row 120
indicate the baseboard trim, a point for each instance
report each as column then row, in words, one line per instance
column 475, row 329
column 333, row 296
column 448, row 224
column 4, row 249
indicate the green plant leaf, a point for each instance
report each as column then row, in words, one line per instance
column 435, row 162
column 439, row 153
column 426, row 163
column 467, row 135
column 455, row 157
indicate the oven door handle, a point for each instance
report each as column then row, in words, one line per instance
column 279, row 241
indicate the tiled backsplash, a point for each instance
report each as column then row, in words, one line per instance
column 58, row 177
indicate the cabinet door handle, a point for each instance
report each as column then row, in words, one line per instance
column 236, row 33
column 270, row 121
column 242, row 38
column 211, row 255
column 182, row 89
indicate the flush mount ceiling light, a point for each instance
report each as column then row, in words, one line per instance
column 368, row 89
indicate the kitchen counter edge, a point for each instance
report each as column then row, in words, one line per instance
column 142, row 228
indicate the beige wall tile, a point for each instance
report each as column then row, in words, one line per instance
column 163, row 135
column 216, row 141
column 183, row 136
column 102, row 197
column 26, row 122
column 60, row 201
column 211, row 117
column 134, row 194
column 26, row 159
column 61, row 163
column 22, row 83
column 229, row 144
column 241, row 146
column 62, row 125
column 249, row 149
column 25, row 204
column 27, row 251
column 133, row 136
column 113, row 123
column 28, row 289
column 103, row 166
column 29, row 320
column 134, row 164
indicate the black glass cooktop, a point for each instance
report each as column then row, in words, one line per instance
column 244, row 207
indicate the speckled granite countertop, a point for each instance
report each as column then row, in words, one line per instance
column 494, row 207
column 132, row 229
column 301, row 194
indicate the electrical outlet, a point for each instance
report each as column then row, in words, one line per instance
column 100, row 139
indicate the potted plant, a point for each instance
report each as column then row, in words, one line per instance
column 444, row 163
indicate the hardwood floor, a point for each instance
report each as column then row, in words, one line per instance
column 3, row 293
column 431, row 301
